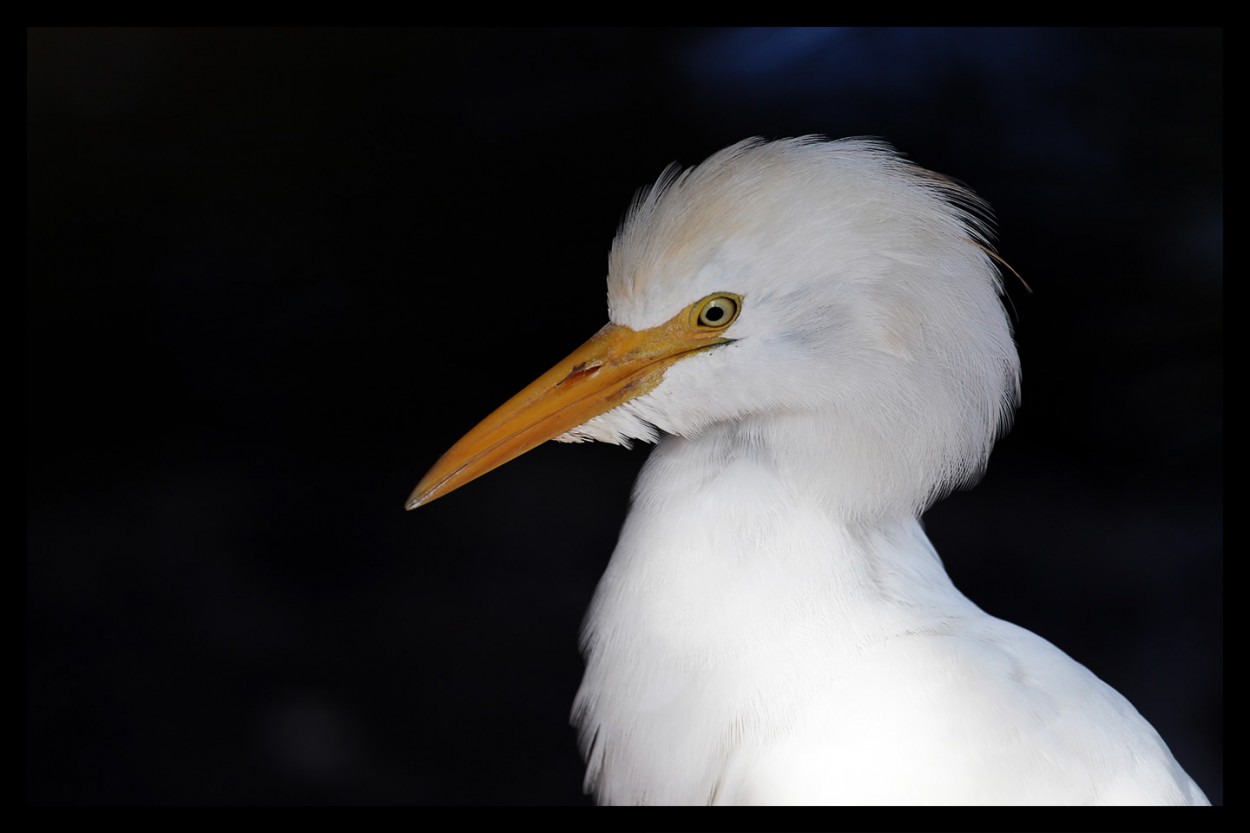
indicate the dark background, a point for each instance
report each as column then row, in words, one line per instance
column 273, row 274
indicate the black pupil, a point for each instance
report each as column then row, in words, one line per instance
column 714, row 314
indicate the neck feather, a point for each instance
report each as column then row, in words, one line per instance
column 734, row 570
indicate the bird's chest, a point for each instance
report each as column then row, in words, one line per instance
column 665, row 723
column 693, row 655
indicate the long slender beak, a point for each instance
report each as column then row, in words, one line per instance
column 617, row 364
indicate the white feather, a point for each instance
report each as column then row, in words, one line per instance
column 774, row 626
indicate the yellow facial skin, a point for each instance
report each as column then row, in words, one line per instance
column 616, row 365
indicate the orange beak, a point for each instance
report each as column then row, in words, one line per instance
column 615, row 366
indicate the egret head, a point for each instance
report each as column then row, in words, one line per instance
column 831, row 284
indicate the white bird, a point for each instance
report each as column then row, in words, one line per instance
column 813, row 332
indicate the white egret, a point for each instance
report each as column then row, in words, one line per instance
column 813, row 331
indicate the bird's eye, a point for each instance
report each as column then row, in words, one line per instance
column 717, row 311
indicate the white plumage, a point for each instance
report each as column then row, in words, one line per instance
column 774, row 626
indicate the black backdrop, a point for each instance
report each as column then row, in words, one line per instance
column 273, row 274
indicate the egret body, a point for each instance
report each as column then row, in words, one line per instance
column 813, row 332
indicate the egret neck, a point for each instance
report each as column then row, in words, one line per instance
column 737, row 597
